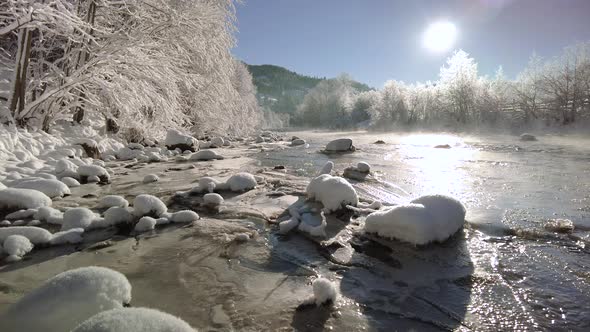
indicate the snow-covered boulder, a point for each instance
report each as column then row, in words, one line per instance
column 212, row 200
column 109, row 201
column 241, row 182
column 363, row 167
column 133, row 320
column 19, row 198
column 36, row 235
column 148, row 205
column 116, row 215
column 432, row 218
column 324, row 291
column 150, row 178
column 145, row 224
column 327, row 168
column 78, row 218
column 217, row 142
column 528, row 137
column 297, row 142
column 70, row 182
column 205, row 155
column 67, row 300
column 88, row 171
column 332, row 191
column 21, row 214
column 16, row 246
column 44, row 175
column 51, row 188
column 177, row 140
column 49, row 215
column 184, row 216
column 340, row 145
column 71, row 236
column 128, row 154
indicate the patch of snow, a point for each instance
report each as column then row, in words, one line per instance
column 36, row 235
column 332, row 191
column 241, row 182
column 205, row 155
column 324, row 291
column 116, row 215
column 78, row 218
column 184, row 216
column 151, row 178
column 162, row 221
column 145, row 224
column 94, row 171
column 109, row 201
column 49, row 215
column 5, row 223
column 133, row 320
column 148, row 205
column 16, row 246
column 71, row 236
column 51, row 188
column 19, row 198
column 70, row 182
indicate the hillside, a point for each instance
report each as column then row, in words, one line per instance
column 281, row 90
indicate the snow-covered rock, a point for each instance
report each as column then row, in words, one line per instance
column 145, row 224
column 363, row 167
column 88, row 171
column 150, row 178
column 432, row 218
column 21, row 214
column 36, row 235
column 117, row 215
column 145, row 205
column 297, row 142
column 241, row 182
column 133, row 320
column 175, row 139
column 71, row 236
column 324, row 291
column 184, row 216
column 332, row 191
column 16, row 246
column 212, row 200
column 70, row 182
column 327, row 168
column 44, row 175
column 217, row 142
column 67, row 300
column 5, row 223
column 49, row 215
column 34, row 223
column 51, row 188
column 78, row 218
column 19, row 198
column 205, row 155
column 208, row 184
column 340, row 145
column 128, row 154
column 109, row 201
column 93, row 179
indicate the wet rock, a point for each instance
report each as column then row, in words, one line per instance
column 559, row 225
column 279, row 167
column 340, row 145
column 442, row 146
column 379, row 142
column 297, row 142
column 528, row 137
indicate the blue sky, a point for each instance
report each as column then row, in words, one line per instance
column 377, row 40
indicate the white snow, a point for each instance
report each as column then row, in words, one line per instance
column 78, row 218
column 327, row 168
column 432, row 218
column 5, row 223
column 147, row 204
column 205, row 155
column 49, row 215
column 16, row 246
column 241, row 182
column 68, row 299
column 213, row 200
column 93, row 170
column 70, row 182
column 324, row 291
column 175, row 137
column 51, row 188
column 332, row 191
column 112, row 200
column 184, row 216
column 363, row 167
column 133, row 320
column 208, row 184
column 150, row 178
column 36, row 235
column 288, row 225
column 2, row 186
column 116, row 215
column 145, row 224
column 71, row 236
column 21, row 214
column 18, row 198
column 93, row 179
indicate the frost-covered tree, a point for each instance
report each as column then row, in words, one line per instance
column 458, row 80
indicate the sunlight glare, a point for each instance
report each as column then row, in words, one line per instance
column 440, row 36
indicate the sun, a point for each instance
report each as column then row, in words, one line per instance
column 440, row 36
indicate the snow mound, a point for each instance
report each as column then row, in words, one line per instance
column 21, row 214
column 36, row 235
column 88, row 171
column 78, row 218
column 176, row 139
column 16, row 246
column 133, row 320
column 49, row 215
column 151, row 178
column 71, row 236
column 145, row 224
column 332, row 191
column 324, row 291
column 327, row 168
column 213, row 200
column 18, row 198
column 184, row 216
column 5, row 223
column 116, row 215
column 70, row 182
column 205, row 155
column 432, row 218
column 109, row 201
column 68, row 299
column 241, row 182
column 340, row 145
column 51, row 188
column 148, row 205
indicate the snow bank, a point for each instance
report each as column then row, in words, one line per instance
column 51, row 188
column 16, row 246
column 109, row 201
column 18, row 198
column 68, row 299
column 205, row 155
column 133, row 320
column 184, row 216
column 36, row 235
column 145, row 224
column 324, row 291
column 332, row 191
column 432, row 218
column 70, row 182
column 241, row 182
column 78, row 218
column 151, row 178
column 71, row 236
column 148, row 205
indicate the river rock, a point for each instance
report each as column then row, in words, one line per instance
column 297, row 142
column 527, row 137
column 340, row 145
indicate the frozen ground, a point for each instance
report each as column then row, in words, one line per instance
column 504, row 271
